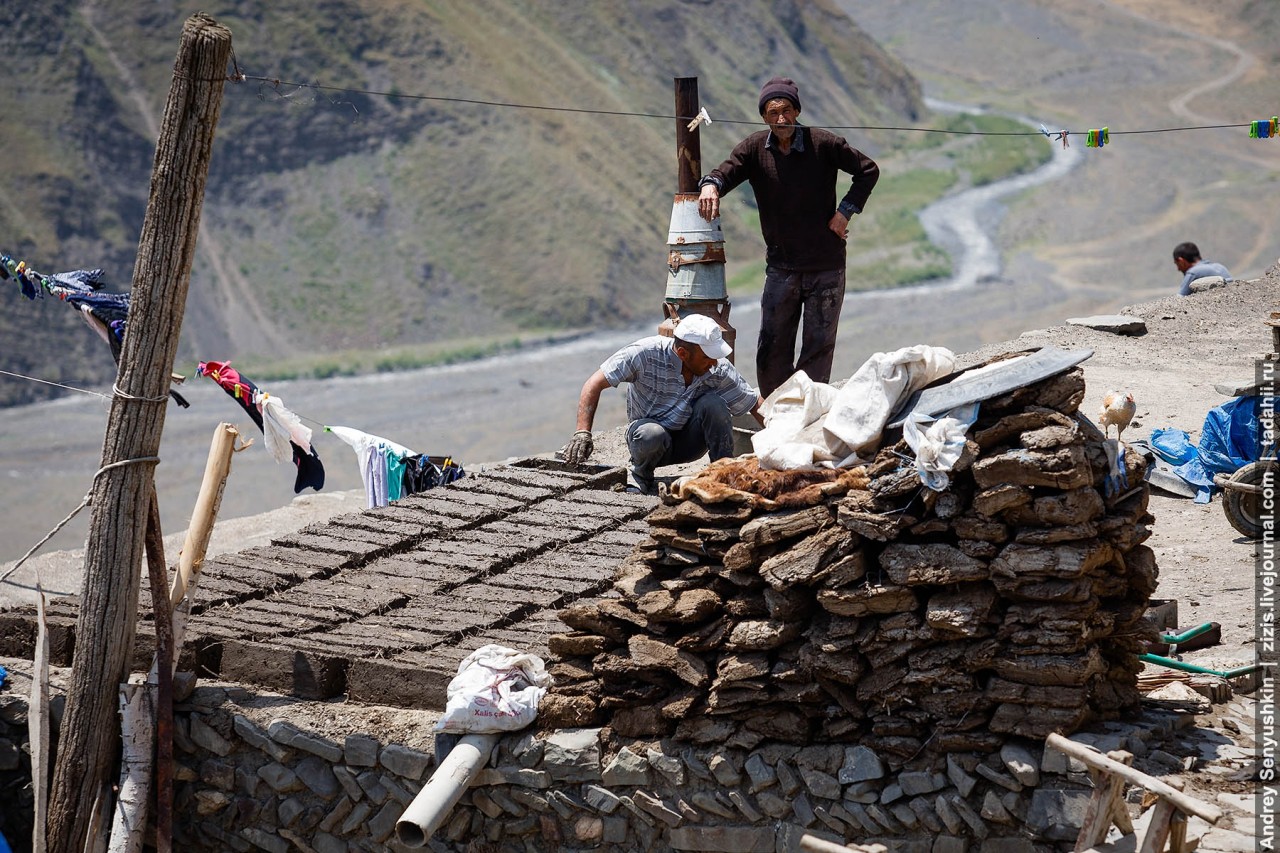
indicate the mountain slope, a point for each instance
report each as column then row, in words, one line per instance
column 351, row 220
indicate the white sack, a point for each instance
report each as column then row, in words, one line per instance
column 938, row 444
column 813, row 425
column 496, row 690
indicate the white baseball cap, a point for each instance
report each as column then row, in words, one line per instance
column 702, row 330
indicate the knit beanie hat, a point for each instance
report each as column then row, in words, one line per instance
column 779, row 87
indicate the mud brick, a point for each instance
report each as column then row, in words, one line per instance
column 332, row 544
column 621, row 537
column 449, row 502
column 429, row 520
column 533, row 642
column 342, row 597
column 223, row 589
column 571, row 506
column 289, row 562
column 385, row 539
column 628, row 505
column 18, row 635
column 521, row 492
column 257, row 624
column 527, row 578
column 382, row 524
column 394, row 631
column 538, row 530
column 427, row 508
column 396, row 572
column 452, row 613
column 555, row 481
column 257, row 578
column 514, row 599
column 439, row 555
column 144, row 650
column 481, row 542
column 579, row 567
column 306, row 674
column 409, row 680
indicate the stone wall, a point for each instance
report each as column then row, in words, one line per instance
column 272, row 785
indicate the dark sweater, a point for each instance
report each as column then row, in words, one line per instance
column 796, row 193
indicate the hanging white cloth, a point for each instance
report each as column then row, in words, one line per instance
column 814, row 425
column 939, row 443
column 280, row 427
column 372, row 452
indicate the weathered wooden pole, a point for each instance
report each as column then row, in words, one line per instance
column 688, row 142
column 113, row 554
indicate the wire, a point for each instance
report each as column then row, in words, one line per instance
column 88, row 498
column 239, row 77
column 56, row 384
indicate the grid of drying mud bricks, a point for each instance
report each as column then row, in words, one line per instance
column 384, row 603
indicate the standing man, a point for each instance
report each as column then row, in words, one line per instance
column 1186, row 257
column 793, row 170
column 680, row 400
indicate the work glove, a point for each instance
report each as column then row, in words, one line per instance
column 579, row 450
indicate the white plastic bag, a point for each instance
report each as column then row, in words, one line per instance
column 496, row 690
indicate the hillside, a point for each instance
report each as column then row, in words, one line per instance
column 337, row 220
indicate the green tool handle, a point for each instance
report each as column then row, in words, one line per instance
column 1187, row 634
column 1190, row 667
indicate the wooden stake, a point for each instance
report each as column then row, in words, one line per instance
column 162, row 688
column 113, row 552
column 38, row 726
column 216, row 470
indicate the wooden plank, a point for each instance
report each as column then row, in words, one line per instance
column 1092, row 758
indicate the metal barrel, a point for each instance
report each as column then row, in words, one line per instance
column 695, row 254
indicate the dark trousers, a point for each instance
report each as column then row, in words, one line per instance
column 709, row 430
column 818, row 296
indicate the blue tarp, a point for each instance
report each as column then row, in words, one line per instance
column 1228, row 442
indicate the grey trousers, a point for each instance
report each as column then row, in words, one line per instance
column 819, row 297
column 709, row 430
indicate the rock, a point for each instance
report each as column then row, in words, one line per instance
column 257, row 738
column 288, row 734
column 1059, row 468
column 281, row 779
column 1119, row 324
column 1021, row 763
column 266, row 841
column 821, row 784
column 962, row 611
column 860, row 764
column 962, row 780
column 627, row 769
column 317, row 774
column 1057, row 814
column 601, row 799
column 761, row 774
column 588, row 829
column 382, row 824
column 724, row 771
column 206, row 738
column 361, row 750
column 406, row 762
column 921, row 782
column 801, row 563
column 993, row 809
column 688, row 607
column 573, row 755
column 648, row 653
column 669, row 766
column 935, row 563
column 867, row 600
column 729, row 839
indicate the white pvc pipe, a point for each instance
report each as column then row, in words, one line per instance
column 443, row 790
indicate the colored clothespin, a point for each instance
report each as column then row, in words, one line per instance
column 1264, row 128
column 1045, row 131
column 1097, row 137
column 1062, row 135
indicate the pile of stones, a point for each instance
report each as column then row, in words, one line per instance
column 896, row 617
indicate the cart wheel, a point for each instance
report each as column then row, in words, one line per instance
column 1244, row 509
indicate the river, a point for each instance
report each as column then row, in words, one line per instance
column 511, row 405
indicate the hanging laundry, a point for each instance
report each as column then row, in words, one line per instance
column 106, row 313
column 422, row 473
column 382, row 464
column 276, row 422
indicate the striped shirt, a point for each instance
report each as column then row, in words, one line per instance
column 657, row 390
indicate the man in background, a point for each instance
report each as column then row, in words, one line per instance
column 793, row 171
column 680, row 400
column 1186, row 257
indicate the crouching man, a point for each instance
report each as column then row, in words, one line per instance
column 680, row 400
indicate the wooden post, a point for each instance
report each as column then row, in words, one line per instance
column 162, row 777
column 688, row 142
column 113, row 552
